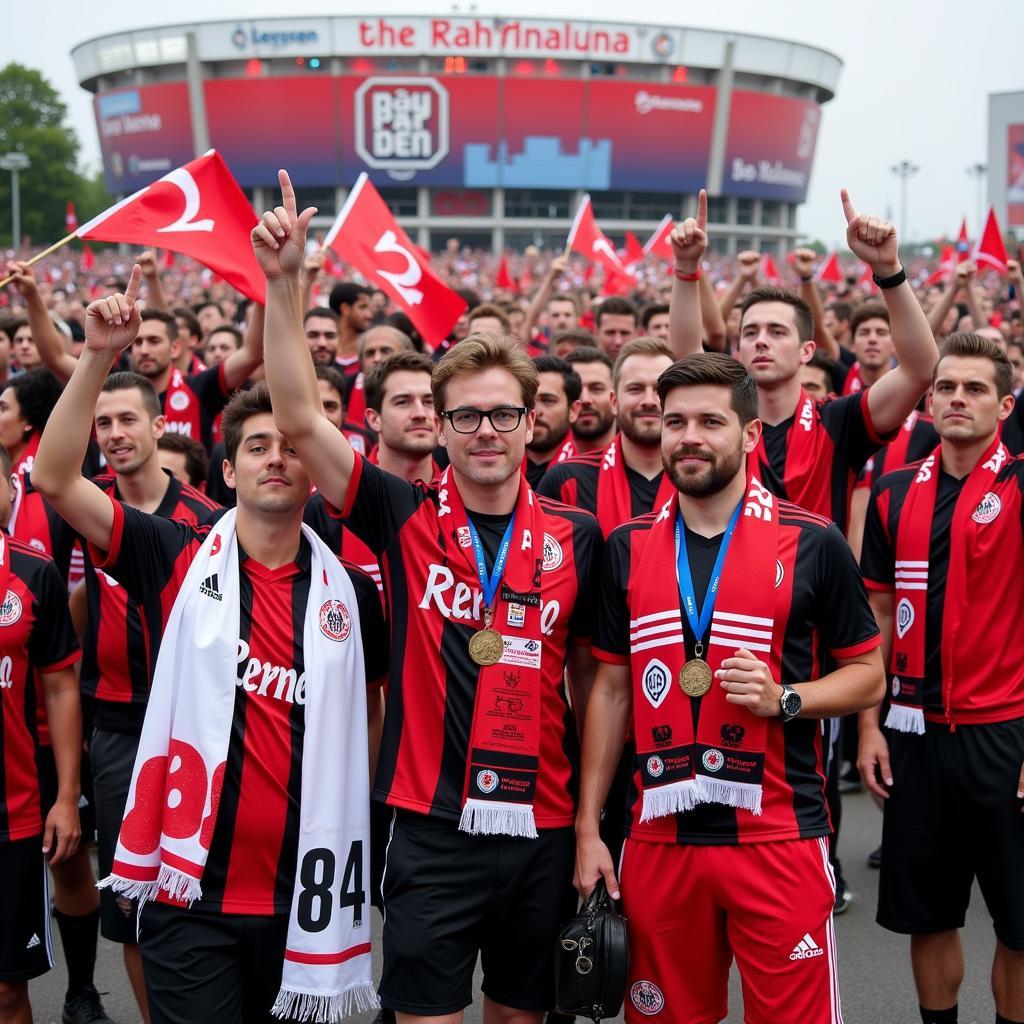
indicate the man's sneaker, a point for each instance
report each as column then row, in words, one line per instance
column 85, row 1008
column 843, row 897
column 875, row 858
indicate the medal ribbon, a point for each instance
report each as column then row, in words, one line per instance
column 489, row 585
column 699, row 625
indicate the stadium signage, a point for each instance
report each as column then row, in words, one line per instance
column 401, row 124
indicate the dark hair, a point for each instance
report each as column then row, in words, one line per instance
column 650, row 312
column 5, row 326
column 15, row 325
column 197, row 462
column 373, row 383
column 346, row 294
column 966, row 345
column 565, row 297
column 471, row 298
column 801, row 311
column 589, row 354
column 407, row 327
column 718, row 370
column 580, row 336
column 228, row 329
column 126, row 380
column 491, row 310
column 869, row 311
column 37, row 392
column 186, row 314
column 823, row 362
column 243, row 405
column 333, row 377
column 571, row 383
column 614, row 305
column 198, row 307
column 164, row 317
column 5, row 456
column 322, row 311
column 841, row 310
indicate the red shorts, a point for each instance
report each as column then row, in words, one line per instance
column 691, row 909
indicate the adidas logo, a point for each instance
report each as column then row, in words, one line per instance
column 806, row 949
column 210, row 589
column 33, row 942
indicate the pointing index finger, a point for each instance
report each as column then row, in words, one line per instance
column 702, row 209
column 132, row 291
column 848, row 209
column 287, row 193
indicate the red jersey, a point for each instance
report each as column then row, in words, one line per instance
column 916, row 440
column 191, row 404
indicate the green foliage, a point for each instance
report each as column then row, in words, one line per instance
column 32, row 120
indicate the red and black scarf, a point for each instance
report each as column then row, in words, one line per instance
column 699, row 767
column 975, row 505
column 22, row 472
column 614, row 498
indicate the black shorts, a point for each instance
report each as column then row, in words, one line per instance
column 113, row 758
column 953, row 816
column 26, row 950
column 204, row 965
column 48, row 791
column 449, row 896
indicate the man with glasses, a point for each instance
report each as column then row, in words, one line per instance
column 489, row 589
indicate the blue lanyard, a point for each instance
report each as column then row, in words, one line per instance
column 700, row 625
column 490, row 586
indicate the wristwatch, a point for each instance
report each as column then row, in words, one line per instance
column 789, row 704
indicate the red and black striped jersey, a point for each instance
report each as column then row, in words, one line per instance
column 828, row 614
column 435, row 605
column 36, row 636
column 115, row 647
column 344, row 543
column 251, row 864
column 916, row 440
column 192, row 404
column 988, row 682
column 812, row 458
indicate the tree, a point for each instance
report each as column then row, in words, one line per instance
column 32, row 120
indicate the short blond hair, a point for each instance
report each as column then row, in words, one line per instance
column 480, row 352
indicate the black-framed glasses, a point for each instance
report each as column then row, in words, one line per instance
column 504, row 419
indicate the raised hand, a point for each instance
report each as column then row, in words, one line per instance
column 313, row 265
column 750, row 264
column 689, row 240
column 965, row 273
column 279, row 240
column 803, row 262
column 1015, row 276
column 23, row 278
column 147, row 261
column 873, row 239
column 111, row 324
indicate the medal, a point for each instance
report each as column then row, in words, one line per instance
column 486, row 646
column 695, row 677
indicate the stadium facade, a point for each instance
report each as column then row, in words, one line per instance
column 1006, row 158
column 486, row 128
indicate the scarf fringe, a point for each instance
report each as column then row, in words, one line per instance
column 133, row 890
column 483, row 818
column 180, row 888
column 903, row 718
column 325, row 1009
column 672, row 799
column 744, row 795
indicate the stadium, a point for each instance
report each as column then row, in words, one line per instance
column 486, row 128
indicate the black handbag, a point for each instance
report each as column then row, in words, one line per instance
column 592, row 959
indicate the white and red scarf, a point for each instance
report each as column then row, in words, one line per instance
column 501, row 770
column 913, row 540
column 21, row 473
column 172, row 803
column 698, row 767
column 614, row 498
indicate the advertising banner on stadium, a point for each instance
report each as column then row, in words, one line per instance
column 1015, row 175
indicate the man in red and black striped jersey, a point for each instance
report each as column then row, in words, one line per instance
column 250, row 873
column 942, row 556
column 625, row 478
column 35, row 637
column 488, row 591
column 558, row 403
column 595, row 426
column 720, row 665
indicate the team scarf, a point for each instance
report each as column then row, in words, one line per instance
column 614, row 498
column 181, row 407
column 163, row 846
column 681, row 767
column 568, row 449
column 913, row 539
column 807, row 481
column 501, row 771
column 21, row 475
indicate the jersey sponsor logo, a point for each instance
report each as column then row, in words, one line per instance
column 988, row 508
column 806, row 949
column 258, row 676
column 335, row 621
column 487, row 781
column 178, row 401
column 780, row 574
column 655, row 766
column 656, row 682
column 36, row 543
column 904, row 617
column 10, row 610
column 553, row 555
column 713, row 760
column 6, row 672
column 647, row 998
column 209, row 588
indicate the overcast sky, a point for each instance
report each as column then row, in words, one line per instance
column 914, row 84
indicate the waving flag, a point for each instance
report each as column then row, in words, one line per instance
column 658, row 243
column 586, row 238
column 990, row 249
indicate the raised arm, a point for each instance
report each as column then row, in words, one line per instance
column 111, row 325
column 689, row 242
column 749, row 262
column 711, row 316
column 278, row 242
column 541, row 296
column 312, row 267
column 244, row 362
column 155, row 298
column 48, row 340
column 803, row 263
column 974, row 306
column 937, row 317
column 891, row 399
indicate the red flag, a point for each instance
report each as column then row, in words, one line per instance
column 947, row 262
column 70, row 219
column 990, row 248
column 168, row 259
column 331, row 269
column 503, row 279
column 830, row 270
column 198, row 210
column 617, row 282
column 634, row 250
column 88, row 259
column 587, row 238
column 867, row 281
column 963, row 243
column 769, row 271
column 366, row 235
column 658, row 243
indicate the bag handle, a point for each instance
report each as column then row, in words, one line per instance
column 598, row 900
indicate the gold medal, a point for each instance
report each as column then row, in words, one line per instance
column 486, row 646
column 695, row 677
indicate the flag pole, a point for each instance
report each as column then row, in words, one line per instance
column 46, row 252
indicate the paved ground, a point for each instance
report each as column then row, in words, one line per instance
column 874, row 964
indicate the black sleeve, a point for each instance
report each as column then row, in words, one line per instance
column 52, row 642
column 208, row 386
column 877, row 557
column 848, row 423
column 845, row 621
column 611, row 632
column 550, row 485
column 372, row 629
column 587, row 545
column 326, row 527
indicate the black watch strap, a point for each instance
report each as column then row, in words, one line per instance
column 890, row 282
